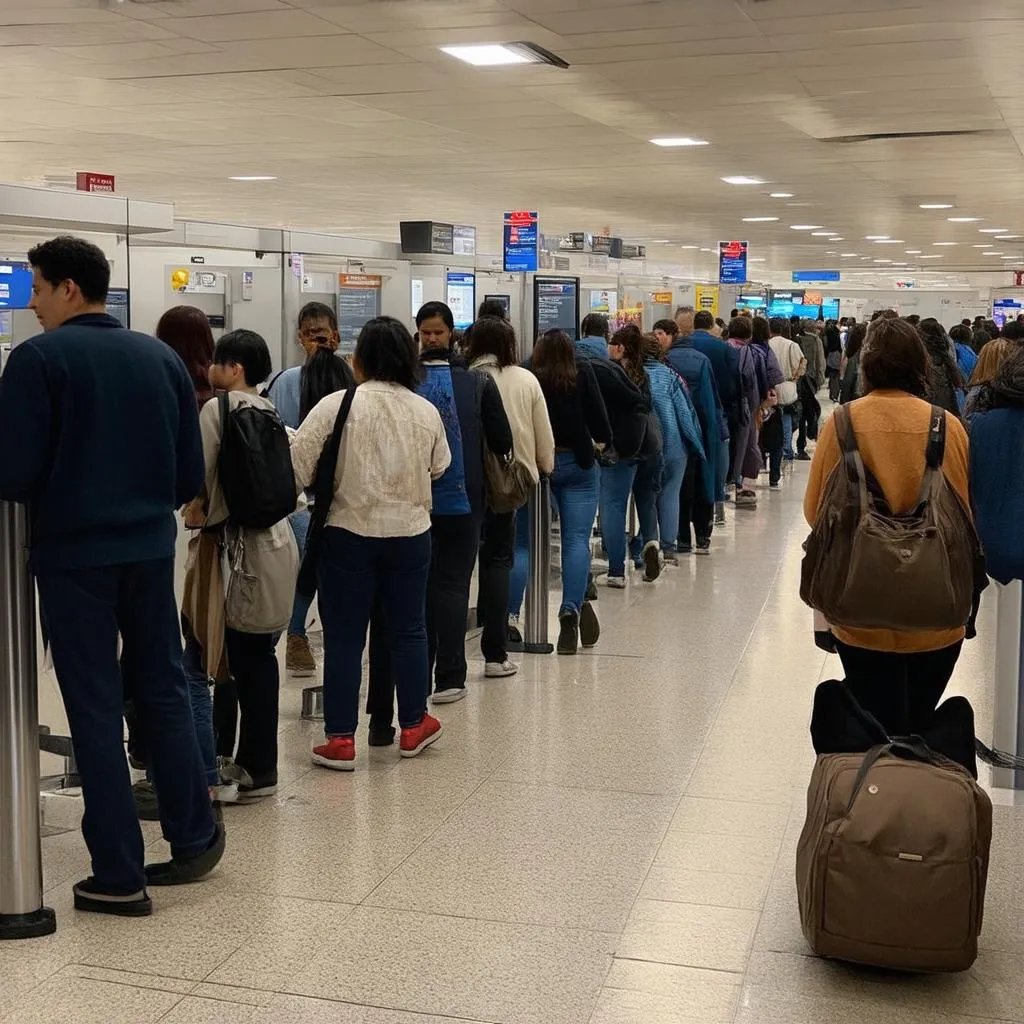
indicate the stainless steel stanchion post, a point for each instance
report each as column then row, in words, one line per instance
column 22, row 914
column 1008, row 706
column 535, row 635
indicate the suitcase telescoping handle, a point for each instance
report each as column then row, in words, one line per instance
column 912, row 747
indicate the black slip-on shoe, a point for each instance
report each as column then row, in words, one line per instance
column 91, row 898
column 590, row 628
column 181, row 871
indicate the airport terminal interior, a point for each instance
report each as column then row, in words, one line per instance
column 609, row 838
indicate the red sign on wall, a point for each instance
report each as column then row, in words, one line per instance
column 1018, row 278
column 89, row 181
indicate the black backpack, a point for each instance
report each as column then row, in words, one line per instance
column 255, row 465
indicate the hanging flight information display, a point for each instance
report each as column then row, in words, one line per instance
column 461, row 295
column 732, row 262
column 358, row 301
column 556, row 305
column 15, row 285
column 521, row 240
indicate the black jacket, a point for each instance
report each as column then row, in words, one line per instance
column 482, row 421
column 579, row 419
column 626, row 405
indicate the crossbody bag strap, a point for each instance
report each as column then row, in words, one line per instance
column 856, row 474
column 323, row 485
column 934, row 453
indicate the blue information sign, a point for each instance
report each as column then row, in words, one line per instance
column 732, row 262
column 521, row 242
column 809, row 276
column 15, row 285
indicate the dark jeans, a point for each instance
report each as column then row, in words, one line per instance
column 808, row 426
column 497, row 552
column 253, row 691
column 693, row 507
column 353, row 570
column 453, row 547
column 834, row 380
column 83, row 611
column 900, row 690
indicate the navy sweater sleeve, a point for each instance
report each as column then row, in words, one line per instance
column 191, row 465
column 26, row 424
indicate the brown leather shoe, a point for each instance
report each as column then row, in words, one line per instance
column 299, row 659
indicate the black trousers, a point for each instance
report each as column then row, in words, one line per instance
column 454, row 542
column 693, row 507
column 82, row 613
column 254, row 691
column 901, row 690
column 497, row 553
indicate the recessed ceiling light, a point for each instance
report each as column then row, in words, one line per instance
column 756, row 259
column 1008, row 257
column 882, row 261
column 962, row 220
column 660, row 241
column 1007, row 238
column 758, row 220
column 822, row 234
column 933, row 256
column 847, row 254
column 742, row 179
column 838, row 238
column 913, row 252
column 488, row 55
column 984, row 245
column 875, row 238
column 992, row 231
column 689, row 247
column 899, row 263
column 992, row 253
column 781, row 195
column 889, row 241
column 935, row 206
column 253, row 177
column 804, row 227
column 673, row 142
column 943, row 243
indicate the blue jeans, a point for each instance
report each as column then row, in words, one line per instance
column 646, row 487
column 723, row 469
column 521, row 565
column 82, row 613
column 352, row 571
column 575, row 492
column 616, row 485
column 299, row 522
column 787, row 431
column 668, row 502
column 202, row 702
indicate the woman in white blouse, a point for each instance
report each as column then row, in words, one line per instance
column 377, row 538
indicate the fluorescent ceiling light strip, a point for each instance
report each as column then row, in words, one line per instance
column 672, row 142
column 487, row 55
column 742, row 179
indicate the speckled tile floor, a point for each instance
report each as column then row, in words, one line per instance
column 606, row 839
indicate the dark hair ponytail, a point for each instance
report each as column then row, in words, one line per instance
column 322, row 374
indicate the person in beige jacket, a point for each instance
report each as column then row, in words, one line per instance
column 491, row 348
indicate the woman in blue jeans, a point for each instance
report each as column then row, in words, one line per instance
column 579, row 421
column 377, row 535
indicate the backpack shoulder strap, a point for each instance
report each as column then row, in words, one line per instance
column 934, row 453
column 844, row 430
column 224, row 407
column 265, row 393
column 323, row 484
column 853, row 463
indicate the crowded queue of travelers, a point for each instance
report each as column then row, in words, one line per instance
column 382, row 483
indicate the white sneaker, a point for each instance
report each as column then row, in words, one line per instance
column 615, row 582
column 500, row 669
column 449, row 696
column 224, row 793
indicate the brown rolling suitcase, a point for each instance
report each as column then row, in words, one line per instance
column 893, row 859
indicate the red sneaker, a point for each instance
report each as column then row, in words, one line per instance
column 419, row 737
column 338, row 753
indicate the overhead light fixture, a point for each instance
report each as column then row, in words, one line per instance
column 992, row 231
column 742, row 179
column 882, row 261
column 933, row 256
column 689, row 247
column 253, row 177
column 675, row 142
column 822, row 234
column 984, row 245
column 935, row 206
column 757, row 259
column 1008, row 257
column 804, row 227
column 1007, row 238
column 874, row 238
column 889, row 241
column 913, row 252
column 943, row 243
column 758, row 220
column 660, row 241
column 992, row 253
column 780, row 195
column 837, row 238
column 489, row 55
column 899, row 263
column 963, row 220
column 848, row 254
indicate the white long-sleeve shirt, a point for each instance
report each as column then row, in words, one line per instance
column 392, row 447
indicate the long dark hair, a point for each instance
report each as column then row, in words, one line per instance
column 491, row 336
column 855, row 339
column 386, row 352
column 631, row 338
column 186, row 329
column 554, row 363
column 323, row 373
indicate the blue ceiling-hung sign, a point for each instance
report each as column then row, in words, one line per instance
column 811, row 276
column 521, row 242
column 732, row 262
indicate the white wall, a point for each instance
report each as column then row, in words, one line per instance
column 948, row 306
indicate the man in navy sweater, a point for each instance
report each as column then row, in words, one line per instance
column 99, row 435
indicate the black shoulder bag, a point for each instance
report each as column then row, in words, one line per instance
column 323, row 495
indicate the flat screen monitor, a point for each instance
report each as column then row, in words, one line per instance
column 15, row 285
column 505, row 301
column 461, row 292
column 117, row 305
column 556, row 305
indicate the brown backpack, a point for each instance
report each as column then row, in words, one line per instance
column 868, row 567
column 893, row 859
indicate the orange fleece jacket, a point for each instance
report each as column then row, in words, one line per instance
column 892, row 434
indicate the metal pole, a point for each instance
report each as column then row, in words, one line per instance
column 22, row 914
column 535, row 635
column 1008, row 707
